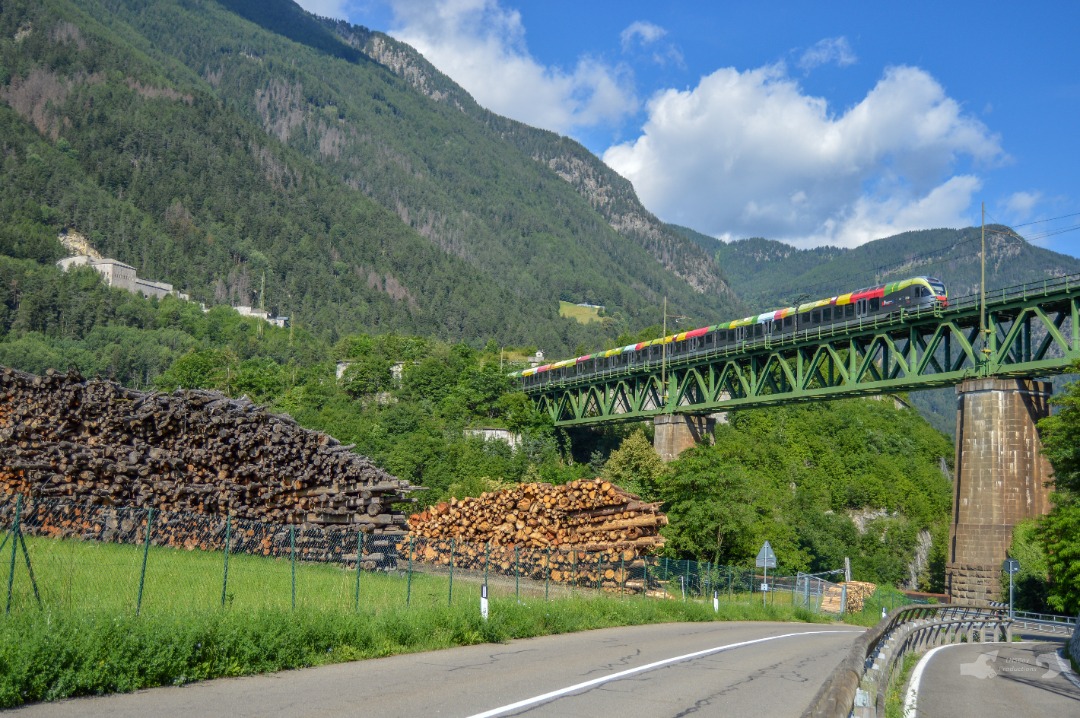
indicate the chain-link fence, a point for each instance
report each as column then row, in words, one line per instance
column 70, row 557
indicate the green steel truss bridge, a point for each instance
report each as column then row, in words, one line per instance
column 1031, row 330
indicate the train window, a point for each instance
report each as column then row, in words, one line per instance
column 826, row 314
column 849, row 311
column 815, row 316
column 875, row 304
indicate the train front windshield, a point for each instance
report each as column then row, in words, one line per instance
column 937, row 287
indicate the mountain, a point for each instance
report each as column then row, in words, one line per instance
column 212, row 144
column 766, row 273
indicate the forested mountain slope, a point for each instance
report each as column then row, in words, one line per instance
column 209, row 144
column 767, row 273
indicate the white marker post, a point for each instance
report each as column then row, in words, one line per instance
column 766, row 559
column 483, row 602
column 715, row 602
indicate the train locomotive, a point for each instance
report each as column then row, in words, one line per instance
column 893, row 298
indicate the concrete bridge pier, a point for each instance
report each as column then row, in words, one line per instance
column 1001, row 479
column 675, row 433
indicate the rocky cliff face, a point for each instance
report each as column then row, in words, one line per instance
column 608, row 193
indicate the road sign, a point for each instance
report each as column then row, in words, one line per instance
column 765, row 557
column 1011, row 566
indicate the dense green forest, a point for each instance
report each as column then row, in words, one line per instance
column 796, row 476
column 210, row 151
column 768, row 274
column 215, row 144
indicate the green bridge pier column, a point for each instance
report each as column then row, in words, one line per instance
column 675, row 433
column 1000, row 480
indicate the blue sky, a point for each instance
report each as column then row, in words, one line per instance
column 808, row 122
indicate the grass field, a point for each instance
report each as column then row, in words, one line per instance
column 87, row 639
column 584, row 315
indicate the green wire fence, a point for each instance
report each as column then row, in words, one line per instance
column 81, row 557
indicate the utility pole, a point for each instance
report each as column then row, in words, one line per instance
column 663, row 359
column 982, row 291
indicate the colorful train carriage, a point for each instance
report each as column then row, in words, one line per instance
column 915, row 293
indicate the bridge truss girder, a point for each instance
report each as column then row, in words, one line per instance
column 1029, row 333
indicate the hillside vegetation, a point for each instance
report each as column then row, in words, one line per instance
column 213, row 144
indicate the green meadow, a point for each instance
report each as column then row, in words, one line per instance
column 91, row 634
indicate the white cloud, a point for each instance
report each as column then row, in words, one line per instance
column 1020, row 205
column 482, row 47
column 327, row 8
column 834, row 49
column 641, row 31
column 749, row 154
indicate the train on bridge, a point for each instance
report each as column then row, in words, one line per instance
column 870, row 302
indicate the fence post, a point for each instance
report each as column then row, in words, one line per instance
column 228, row 541
column 450, row 595
column 730, row 588
column 622, row 574
column 547, row 574
column 487, row 549
column 686, row 583
column 408, row 582
column 359, row 555
column 645, row 578
column 517, row 575
column 599, row 570
column 146, row 552
column 292, row 561
column 573, row 574
column 843, row 598
column 14, row 547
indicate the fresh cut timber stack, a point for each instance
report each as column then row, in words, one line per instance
column 855, row 592
column 199, row 452
column 587, row 531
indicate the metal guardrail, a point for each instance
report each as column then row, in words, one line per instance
column 869, row 665
column 1044, row 623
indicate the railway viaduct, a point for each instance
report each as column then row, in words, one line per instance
column 993, row 350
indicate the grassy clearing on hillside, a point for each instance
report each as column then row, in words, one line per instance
column 87, row 639
column 583, row 315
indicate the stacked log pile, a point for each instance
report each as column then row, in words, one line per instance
column 588, row 532
column 199, row 452
column 856, row 594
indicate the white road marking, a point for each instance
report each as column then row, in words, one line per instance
column 911, row 697
column 640, row 669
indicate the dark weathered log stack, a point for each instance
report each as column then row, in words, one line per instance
column 588, row 532
column 62, row 436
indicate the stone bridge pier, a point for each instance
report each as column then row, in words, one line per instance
column 675, row 433
column 1000, row 480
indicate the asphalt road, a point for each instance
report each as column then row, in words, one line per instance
column 739, row 669
column 998, row 680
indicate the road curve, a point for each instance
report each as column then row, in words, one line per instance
column 998, row 680
column 738, row 669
